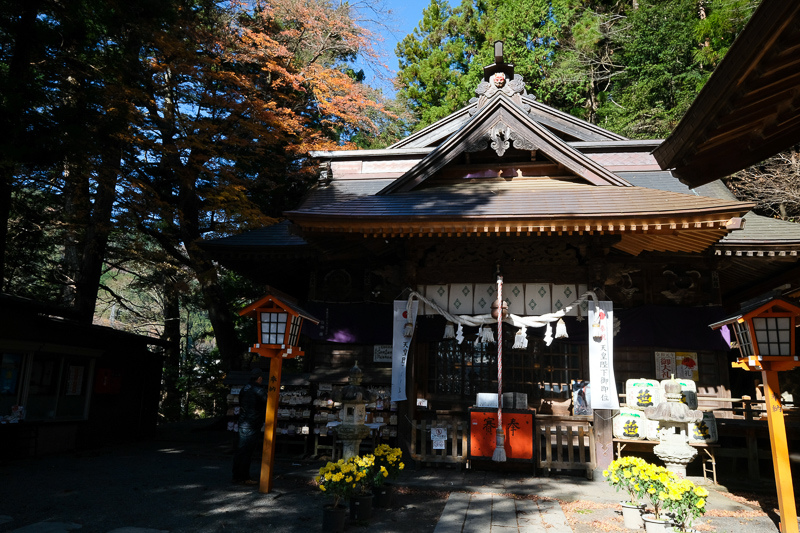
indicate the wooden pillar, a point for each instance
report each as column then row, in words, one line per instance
column 780, row 452
column 270, row 424
column 603, row 437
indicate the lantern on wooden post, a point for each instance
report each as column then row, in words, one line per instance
column 765, row 336
column 278, row 325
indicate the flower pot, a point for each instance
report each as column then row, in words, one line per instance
column 651, row 525
column 632, row 515
column 383, row 496
column 333, row 518
column 361, row 507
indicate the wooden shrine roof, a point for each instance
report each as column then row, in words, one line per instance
column 650, row 219
column 507, row 165
column 749, row 109
column 563, row 124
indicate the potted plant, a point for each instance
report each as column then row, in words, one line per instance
column 387, row 466
column 685, row 501
column 361, row 496
column 337, row 480
column 624, row 474
column 654, row 481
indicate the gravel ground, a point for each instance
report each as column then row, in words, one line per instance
column 179, row 483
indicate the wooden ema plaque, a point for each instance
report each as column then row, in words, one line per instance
column 517, row 427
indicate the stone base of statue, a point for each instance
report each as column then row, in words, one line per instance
column 675, row 452
column 351, row 436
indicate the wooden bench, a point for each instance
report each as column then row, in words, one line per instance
column 709, row 458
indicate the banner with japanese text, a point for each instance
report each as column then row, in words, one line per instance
column 401, row 344
column 601, row 356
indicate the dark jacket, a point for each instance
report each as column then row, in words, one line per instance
column 252, row 405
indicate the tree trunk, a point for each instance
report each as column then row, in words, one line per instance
column 171, row 405
column 231, row 349
column 16, row 95
column 6, row 179
column 219, row 313
column 95, row 240
column 76, row 216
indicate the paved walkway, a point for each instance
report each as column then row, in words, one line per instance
column 492, row 513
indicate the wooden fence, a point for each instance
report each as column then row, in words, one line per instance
column 565, row 443
column 455, row 449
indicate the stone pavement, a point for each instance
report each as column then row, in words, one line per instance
column 481, row 513
column 180, row 483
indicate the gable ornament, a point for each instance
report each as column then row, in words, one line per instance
column 501, row 138
column 500, row 83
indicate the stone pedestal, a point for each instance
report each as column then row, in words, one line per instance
column 351, row 436
column 674, row 418
column 674, row 450
column 354, row 399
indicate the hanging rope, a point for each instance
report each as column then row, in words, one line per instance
column 499, row 454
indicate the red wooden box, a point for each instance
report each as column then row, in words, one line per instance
column 518, row 427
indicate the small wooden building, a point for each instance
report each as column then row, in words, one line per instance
column 560, row 206
column 79, row 386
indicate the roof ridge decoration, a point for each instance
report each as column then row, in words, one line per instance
column 501, row 124
column 500, row 78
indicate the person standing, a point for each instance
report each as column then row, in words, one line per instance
column 252, row 411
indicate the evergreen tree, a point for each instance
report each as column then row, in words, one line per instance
column 632, row 66
column 661, row 77
column 433, row 63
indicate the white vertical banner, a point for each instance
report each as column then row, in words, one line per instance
column 601, row 356
column 401, row 344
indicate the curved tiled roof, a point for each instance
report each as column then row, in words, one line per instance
column 529, row 200
column 274, row 235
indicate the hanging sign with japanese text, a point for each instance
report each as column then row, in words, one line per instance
column 686, row 365
column 681, row 365
column 601, row 356
column 382, row 353
column 401, row 344
column 665, row 365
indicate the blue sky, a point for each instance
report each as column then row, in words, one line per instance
column 407, row 14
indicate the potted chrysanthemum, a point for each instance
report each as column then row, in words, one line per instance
column 624, row 474
column 654, row 481
column 685, row 501
column 337, row 480
column 361, row 497
column 387, row 466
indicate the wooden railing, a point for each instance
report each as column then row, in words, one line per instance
column 455, row 449
column 565, row 443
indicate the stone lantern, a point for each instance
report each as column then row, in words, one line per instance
column 674, row 417
column 354, row 399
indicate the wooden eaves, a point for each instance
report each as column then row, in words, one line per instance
column 749, row 109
